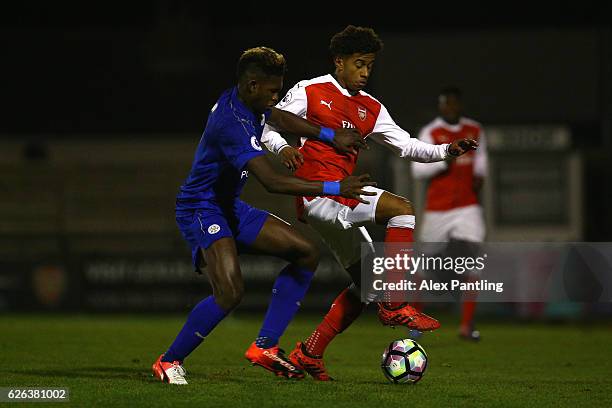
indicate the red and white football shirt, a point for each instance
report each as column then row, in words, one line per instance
column 325, row 102
column 451, row 183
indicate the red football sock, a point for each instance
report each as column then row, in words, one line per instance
column 396, row 234
column 468, row 307
column 467, row 314
column 345, row 309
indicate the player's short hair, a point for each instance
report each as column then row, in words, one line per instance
column 451, row 91
column 261, row 61
column 353, row 40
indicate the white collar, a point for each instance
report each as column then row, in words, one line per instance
column 343, row 90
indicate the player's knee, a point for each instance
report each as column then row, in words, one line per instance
column 229, row 301
column 229, row 295
column 308, row 255
column 393, row 206
column 403, row 207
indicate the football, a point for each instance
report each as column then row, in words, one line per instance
column 404, row 361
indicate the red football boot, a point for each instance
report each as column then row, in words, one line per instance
column 273, row 359
column 408, row 316
column 312, row 365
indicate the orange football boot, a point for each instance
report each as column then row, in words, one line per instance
column 273, row 359
column 408, row 316
column 312, row 365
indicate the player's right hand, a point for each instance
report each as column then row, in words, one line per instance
column 349, row 140
column 291, row 157
column 352, row 187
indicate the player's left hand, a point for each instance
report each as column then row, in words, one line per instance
column 352, row 187
column 291, row 158
column 462, row 146
column 349, row 141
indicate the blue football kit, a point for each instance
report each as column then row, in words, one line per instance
column 208, row 206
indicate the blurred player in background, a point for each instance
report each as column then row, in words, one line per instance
column 338, row 100
column 218, row 225
column 452, row 210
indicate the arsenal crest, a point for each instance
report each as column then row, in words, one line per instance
column 361, row 112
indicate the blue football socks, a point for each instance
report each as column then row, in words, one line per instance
column 289, row 289
column 201, row 321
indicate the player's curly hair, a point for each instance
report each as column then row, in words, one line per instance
column 353, row 40
column 261, row 61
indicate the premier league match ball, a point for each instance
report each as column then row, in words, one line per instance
column 404, row 361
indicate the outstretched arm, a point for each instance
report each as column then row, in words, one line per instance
column 388, row 133
column 427, row 170
column 350, row 187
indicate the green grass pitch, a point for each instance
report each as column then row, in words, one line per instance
column 105, row 361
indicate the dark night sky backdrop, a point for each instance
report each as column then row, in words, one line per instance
column 157, row 66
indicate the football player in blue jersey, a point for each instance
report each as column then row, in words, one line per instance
column 217, row 224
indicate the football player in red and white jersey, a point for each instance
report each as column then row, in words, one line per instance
column 338, row 100
column 452, row 210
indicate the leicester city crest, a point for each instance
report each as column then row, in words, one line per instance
column 255, row 143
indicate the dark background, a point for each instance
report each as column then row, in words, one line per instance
column 157, row 66
column 103, row 104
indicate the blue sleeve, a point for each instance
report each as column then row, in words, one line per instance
column 238, row 146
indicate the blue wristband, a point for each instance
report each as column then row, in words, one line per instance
column 331, row 187
column 327, row 134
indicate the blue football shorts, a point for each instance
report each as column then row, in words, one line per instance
column 202, row 227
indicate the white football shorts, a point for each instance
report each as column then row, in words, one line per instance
column 464, row 223
column 341, row 227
